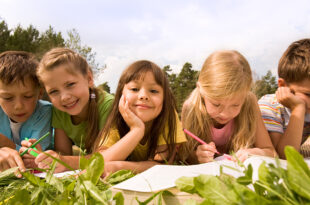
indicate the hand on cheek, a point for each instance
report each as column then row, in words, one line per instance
column 131, row 119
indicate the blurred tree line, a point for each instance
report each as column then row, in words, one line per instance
column 31, row 40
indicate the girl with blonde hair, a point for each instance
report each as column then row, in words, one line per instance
column 223, row 112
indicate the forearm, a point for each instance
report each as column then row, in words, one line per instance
column 72, row 161
column 270, row 152
column 136, row 167
column 293, row 133
column 122, row 148
column 6, row 142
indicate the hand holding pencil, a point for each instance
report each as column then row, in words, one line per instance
column 205, row 152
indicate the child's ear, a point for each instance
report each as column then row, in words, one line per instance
column 90, row 79
column 282, row 83
column 41, row 93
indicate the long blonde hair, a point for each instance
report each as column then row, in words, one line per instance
column 76, row 63
column 223, row 74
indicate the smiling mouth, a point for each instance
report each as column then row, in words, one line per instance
column 20, row 115
column 71, row 105
column 143, row 106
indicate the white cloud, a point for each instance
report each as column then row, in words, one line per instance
column 171, row 32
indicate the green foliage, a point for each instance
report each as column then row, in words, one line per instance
column 266, row 85
column 183, row 83
column 86, row 188
column 276, row 185
column 74, row 42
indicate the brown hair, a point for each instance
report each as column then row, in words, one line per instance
column 223, row 74
column 16, row 66
column 76, row 63
column 294, row 65
column 166, row 118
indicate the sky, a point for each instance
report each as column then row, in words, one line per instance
column 169, row 32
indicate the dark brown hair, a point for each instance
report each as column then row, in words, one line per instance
column 76, row 63
column 294, row 65
column 166, row 118
column 16, row 66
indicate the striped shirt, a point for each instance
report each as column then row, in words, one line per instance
column 276, row 116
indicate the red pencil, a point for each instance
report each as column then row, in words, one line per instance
column 196, row 138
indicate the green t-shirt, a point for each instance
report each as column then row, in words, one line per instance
column 77, row 133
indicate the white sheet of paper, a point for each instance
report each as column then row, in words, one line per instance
column 162, row 177
column 58, row 175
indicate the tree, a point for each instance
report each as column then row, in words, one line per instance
column 23, row 39
column 4, row 36
column 74, row 42
column 266, row 85
column 171, row 78
column 185, row 83
column 48, row 40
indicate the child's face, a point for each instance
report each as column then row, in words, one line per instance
column 302, row 90
column 145, row 97
column 68, row 92
column 226, row 109
column 19, row 100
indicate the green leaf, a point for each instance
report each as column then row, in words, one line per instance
column 119, row 176
column 298, row 172
column 119, row 198
column 7, row 176
column 93, row 191
column 212, row 188
column 94, row 169
column 186, row 184
column 21, row 197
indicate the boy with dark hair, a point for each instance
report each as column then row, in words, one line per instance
column 22, row 114
column 286, row 113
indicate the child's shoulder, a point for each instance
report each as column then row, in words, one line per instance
column 269, row 99
column 105, row 96
column 43, row 106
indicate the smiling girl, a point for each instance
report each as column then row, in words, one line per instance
column 223, row 112
column 143, row 126
column 80, row 109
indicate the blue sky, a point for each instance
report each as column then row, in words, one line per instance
column 170, row 32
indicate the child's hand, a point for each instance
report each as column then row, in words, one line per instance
column 44, row 162
column 289, row 99
column 10, row 158
column 242, row 154
column 205, row 153
column 132, row 120
column 111, row 167
column 27, row 143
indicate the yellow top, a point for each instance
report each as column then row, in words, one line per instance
column 140, row 152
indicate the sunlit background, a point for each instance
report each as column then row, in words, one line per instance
column 169, row 32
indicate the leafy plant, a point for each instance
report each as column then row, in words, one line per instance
column 276, row 185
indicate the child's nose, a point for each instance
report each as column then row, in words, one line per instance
column 18, row 104
column 65, row 96
column 143, row 95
